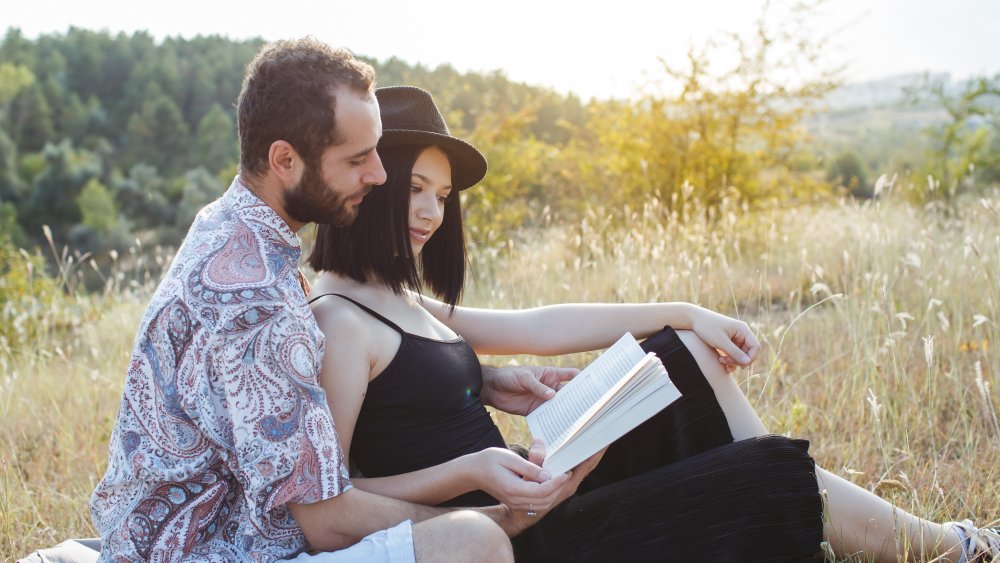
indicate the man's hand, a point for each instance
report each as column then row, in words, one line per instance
column 520, row 390
column 737, row 346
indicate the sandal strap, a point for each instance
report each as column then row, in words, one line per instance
column 979, row 545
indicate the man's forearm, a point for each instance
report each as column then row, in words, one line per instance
column 342, row 521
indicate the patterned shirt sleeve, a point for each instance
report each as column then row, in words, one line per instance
column 268, row 411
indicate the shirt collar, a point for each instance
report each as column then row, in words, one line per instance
column 248, row 206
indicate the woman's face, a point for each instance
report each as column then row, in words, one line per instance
column 430, row 186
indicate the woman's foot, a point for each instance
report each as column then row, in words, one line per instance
column 979, row 545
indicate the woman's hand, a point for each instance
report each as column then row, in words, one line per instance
column 521, row 389
column 520, row 519
column 737, row 346
column 537, row 454
column 513, row 480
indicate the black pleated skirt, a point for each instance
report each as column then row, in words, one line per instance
column 677, row 488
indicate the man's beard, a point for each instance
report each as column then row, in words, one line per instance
column 313, row 201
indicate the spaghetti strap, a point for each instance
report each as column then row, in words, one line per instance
column 389, row 323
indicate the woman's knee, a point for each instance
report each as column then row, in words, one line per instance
column 740, row 414
column 706, row 357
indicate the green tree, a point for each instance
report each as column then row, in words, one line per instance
column 728, row 130
column 200, row 188
column 157, row 134
column 143, row 197
column 10, row 230
column 53, row 198
column 102, row 227
column 962, row 144
column 848, row 172
column 13, row 79
column 12, row 188
column 32, row 124
column 97, row 206
column 215, row 146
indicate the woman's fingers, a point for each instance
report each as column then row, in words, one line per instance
column 572, row 481
column 751, row 347
column 528, row 380
column 527, row 469
column 728, row 364
column 522, row 494
column 522, row 484
column 536, row 453
column 543, row 496
column 733, row 352
column 553, row 376
column 739, row 345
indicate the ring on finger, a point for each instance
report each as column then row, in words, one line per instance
column 531, row 510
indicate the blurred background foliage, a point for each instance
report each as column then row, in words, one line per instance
column 118, row 140
column 765, row 188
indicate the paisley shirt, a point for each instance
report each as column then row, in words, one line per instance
column 222, row 419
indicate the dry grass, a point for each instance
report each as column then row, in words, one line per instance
column 879, row 324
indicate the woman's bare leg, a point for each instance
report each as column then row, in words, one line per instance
column 862, row 522
column 859, row 521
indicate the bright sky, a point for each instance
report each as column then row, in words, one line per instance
column 602, row 49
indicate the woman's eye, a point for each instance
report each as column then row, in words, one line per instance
column 442, row 198
column 415, row 189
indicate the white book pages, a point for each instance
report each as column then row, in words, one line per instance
column 616, row 393
column 619, row 395
column 570, row 455
column 554, row 419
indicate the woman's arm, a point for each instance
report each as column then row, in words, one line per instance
column 578, row 327
column 348, row 357
column 558, row 329
column 503, row 474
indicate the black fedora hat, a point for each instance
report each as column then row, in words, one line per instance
column 409, row 117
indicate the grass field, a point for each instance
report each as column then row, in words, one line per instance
column 879, row 323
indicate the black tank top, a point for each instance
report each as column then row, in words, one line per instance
column 423, row 409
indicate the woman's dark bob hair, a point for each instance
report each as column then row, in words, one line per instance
column 376, row 247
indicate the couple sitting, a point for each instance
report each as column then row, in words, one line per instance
column 225, row 448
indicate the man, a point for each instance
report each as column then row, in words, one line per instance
column 224, row 448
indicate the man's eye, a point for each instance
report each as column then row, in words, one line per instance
column 357, row 162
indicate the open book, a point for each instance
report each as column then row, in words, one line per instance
column 620, row 390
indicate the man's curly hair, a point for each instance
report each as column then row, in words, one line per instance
column 289, row 93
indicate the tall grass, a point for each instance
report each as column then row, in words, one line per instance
column 879, row 323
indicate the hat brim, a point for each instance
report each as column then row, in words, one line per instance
column 468, row 165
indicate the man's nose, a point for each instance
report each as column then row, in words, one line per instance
column 376, row 176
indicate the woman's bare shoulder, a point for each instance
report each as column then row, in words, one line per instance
column 336, row 315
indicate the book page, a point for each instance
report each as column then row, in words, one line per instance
column 619, row 396
column 611, row 429
column 554, row 420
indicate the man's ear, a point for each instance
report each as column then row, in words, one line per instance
column 285, row 163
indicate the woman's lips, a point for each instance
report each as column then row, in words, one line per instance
column 420, row 235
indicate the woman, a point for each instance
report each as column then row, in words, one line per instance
column 701, row 480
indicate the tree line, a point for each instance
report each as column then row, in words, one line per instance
column 106, row 138
column 112, row 138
